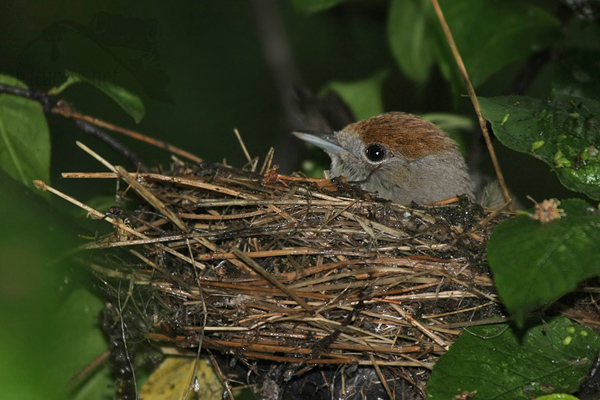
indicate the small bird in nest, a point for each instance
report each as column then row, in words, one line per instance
column 397, row 156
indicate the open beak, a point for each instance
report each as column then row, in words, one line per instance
column 325, row 141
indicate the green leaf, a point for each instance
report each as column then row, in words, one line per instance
column 536, row 263
column 502, row 363
column 557, row 396
column 37, row 341
column 312, row 6
column 99, row 386
column 564, row 132
column 493, row 34
column 24, row 137
column 128, row 101
column 449, row 122
column 410, row 37
column 364, row 97
column 72, row 79
column 80, row 338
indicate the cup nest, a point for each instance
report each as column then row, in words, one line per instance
column 294, row 270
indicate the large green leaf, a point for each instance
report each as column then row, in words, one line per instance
column 498, row 362
column 364, row 97
column 535, row 263
column 564, row 132
column 492, row 34
column 24, row 137
column 410, row 37
column 49, row 329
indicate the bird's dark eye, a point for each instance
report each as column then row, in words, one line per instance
column 375, row 152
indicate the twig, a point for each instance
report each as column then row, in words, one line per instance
column 41, row 185
column 381, row 376
column 474, row 100
column 420, row 326
column 89, row 368
column 145, row 193
column 245, row 150
column 222, row 376
column 481, row 223
column 151, row 199
column 65, row 110
column 47, row 101
column 240, row 254
column 268, row 160
column 94, row 131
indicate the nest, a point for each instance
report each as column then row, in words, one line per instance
column 295, row 271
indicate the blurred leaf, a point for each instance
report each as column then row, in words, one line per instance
column 98, row 386
column 536, row 263
column 449, row 122
column 312, row 6
column 564, row 132
column 312, row 169
column 491, row 35
column 582, row 35
column 33, row 364
column 24, row 137
column 80, row 341
column 578, row 73
column 175, row 376
column 364, row 97
column 128, row 101
column 445, row 61
column 501, row 363
column 410, row 37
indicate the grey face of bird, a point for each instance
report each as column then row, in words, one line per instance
column 398, row 157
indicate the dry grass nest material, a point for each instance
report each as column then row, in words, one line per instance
column 298, row 270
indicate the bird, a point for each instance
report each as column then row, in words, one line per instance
column 396, row 156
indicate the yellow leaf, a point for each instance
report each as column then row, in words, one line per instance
column 175, row 380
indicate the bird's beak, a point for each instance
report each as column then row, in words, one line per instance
column 326, row 141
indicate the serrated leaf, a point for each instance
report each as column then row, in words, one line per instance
column 410, row 37
column 24, row 137
column 493, row 34
column 128, row 101
column 536, row 263
column 502, row 363
column 312, row 6
column 564, row 132
column 364, row 97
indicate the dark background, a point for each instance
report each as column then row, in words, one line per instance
column 201, row 71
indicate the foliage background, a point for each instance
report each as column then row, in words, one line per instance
column 200, row 70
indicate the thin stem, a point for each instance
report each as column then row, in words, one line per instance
column 474, row 100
